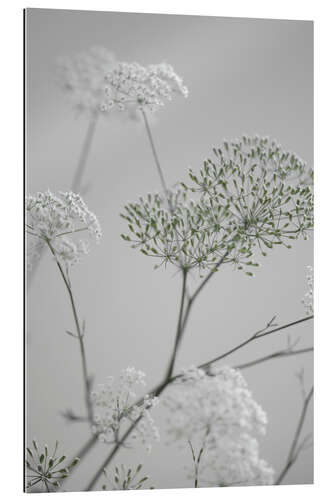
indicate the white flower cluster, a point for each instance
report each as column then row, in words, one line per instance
column 114, row 406
column 219, row 414
column 144, row 87
column 308, row 297
column 55, row 219
column 83, row 77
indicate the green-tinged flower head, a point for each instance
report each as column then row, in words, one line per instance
column 186, row 233
column 124, row 478
column 252, row 194
column 265, row 190
column 45, row 469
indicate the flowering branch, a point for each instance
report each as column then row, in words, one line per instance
column 157, row 390
column 296, row 448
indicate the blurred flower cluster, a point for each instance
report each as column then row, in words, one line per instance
column 308, row 297
column 252, row 195
column 217, row 413
column 54, row 220
column 82, row 77
column 45, row 469
column 130, row 84
column 125, row 479
column 114, row 407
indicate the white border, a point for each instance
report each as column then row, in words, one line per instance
column 11, row 232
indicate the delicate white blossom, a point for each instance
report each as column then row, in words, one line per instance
column 308, row 297
column 82, row 77
column 125, row 478
column 57, row 220
column 217, row 412
column 130, row 84
column 114, row 408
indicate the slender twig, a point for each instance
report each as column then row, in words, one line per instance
column 295, row 449
column 274, row 355
column 253, row 337
column 79, row 336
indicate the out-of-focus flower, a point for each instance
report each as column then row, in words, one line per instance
column 217, row 412
column 82, row 77
column 308, row 297
column 114, row 407
column 45, row 469
column 237, row 463
column 56, row 220
column 125, row 479
column 130, row 84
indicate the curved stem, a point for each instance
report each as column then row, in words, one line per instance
column 79, row 335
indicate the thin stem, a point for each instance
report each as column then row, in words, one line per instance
column 153, row 148
column 294, row 449
column 274, row 355
column 79, row 336
column 82, row 163
column 180, row 327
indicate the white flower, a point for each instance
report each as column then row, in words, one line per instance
column 114, row 407
column 57, row 219
column 218, row 413
column 143, row 87
column 308, row 297
column 82, row 77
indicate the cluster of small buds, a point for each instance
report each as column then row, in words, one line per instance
column 262, row 189
column 114, row 408
column 254, row 197
column 189, row 235
column 54, row 220
column 82, row 77
column 308, row 297
column 216, row 412
column 130, row 84
column 44, row 469
column 124, row 478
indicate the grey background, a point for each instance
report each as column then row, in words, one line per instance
column 244, row 76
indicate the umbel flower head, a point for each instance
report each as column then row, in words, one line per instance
column 263, row 189
column 82, row 77
column 130, row 84
column 217, row 412
column 114, row 408
column 46, row 469
column 54, row 220
column 185, row 236
column 124, row 478
column 308, row 297
column 253, row 195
